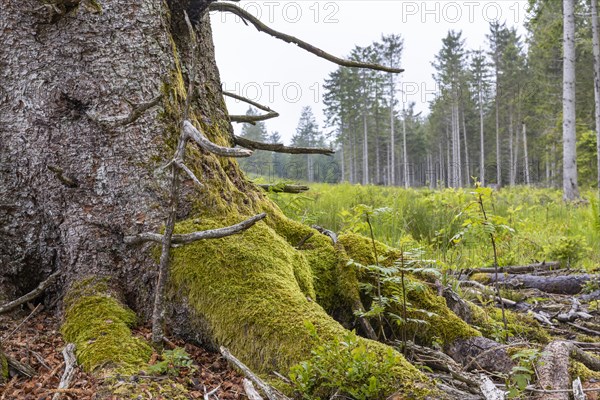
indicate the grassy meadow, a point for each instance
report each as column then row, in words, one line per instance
column 453, row 227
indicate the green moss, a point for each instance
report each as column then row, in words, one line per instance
column 98, row 324
column 124, row 388
column 248, row 289
column 490, row 323
column 577, row 369
column 3, row 367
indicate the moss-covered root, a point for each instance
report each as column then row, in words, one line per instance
column 248, row 290
column 99, row 326
column 440, row 325
column 3, row 367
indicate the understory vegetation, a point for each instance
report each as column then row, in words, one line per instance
column 531, row 224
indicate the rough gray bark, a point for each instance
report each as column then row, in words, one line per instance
column 570, row 188
column 59, row 83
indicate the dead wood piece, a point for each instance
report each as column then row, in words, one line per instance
column 29, row 296
column 584, row 329
column 326, row 232
column 250, row 391
column 573, row 314
column 19, row 367
column 304, row 240
column 553, row 371
column 517, row 269
column 191, row 132
column 280, row 148
column 359, row 309
column 70, row 369
column 294, row 189
column 246, row 16
column 481, row 353
column 270, row 392
column 566, row 284
column 489, row 390
column 578, row 393
column 196, row 236
column 589, row 360
column 456, row 393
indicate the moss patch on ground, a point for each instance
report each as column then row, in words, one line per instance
column 489, row 321
column 3, row 367
column 252, row 290
column 99, row 326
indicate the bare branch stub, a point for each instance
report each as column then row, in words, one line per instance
column 31, row 295
column 246, row 16
column 192, row 133
column 251, row 119
column 123, row 120
column 195, row 236
column 280, row 148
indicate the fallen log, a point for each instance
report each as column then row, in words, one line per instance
column 564, row 284
column 554, row 381
column 517, row 269
column 482, row 354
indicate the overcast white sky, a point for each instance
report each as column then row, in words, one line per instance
column 286, row 78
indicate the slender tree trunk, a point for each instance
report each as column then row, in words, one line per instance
column 481, row 138
column 392, row 163
column 596, row 50
column 511, row 172
column 526, row 155
column 467, row 160
column 498, row 148
column 570, row 188
column 405, row 151
column 365, row 151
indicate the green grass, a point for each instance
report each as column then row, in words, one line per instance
column 543, row 225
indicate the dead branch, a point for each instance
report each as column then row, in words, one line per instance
column 304, row 240
column 326, row 232
column 70, row 369
column 271, row 393
column 31, row 314
column 29, row 296
column 194, row 134
column 246, row 16
column 195, row 236
column 158, row 310
column 189, row 172
column 250, row 391
column 251, row 119
column 137, row 111
column 566, row 284
column 584, row 329
column 279, row 148
column 20, row 368
column 586, row 359
column 294, row 189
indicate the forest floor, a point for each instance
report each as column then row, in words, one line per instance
column 36, row 341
